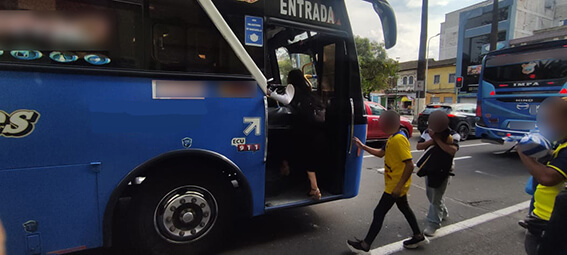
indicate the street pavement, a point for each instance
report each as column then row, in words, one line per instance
column 484, row 183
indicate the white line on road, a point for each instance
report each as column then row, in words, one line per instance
column 381, row 170
column 462, row 146
column 456, row 227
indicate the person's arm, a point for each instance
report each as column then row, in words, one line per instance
column 423, row 145
column 544, row 175
column 449, row 148
column 285, row 98
column 376, row 152
column 408, row 170
column 2, row 240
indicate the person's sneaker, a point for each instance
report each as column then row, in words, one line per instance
column 429, row 231
column 415, row 242
column 357, row 247
column 523, row 224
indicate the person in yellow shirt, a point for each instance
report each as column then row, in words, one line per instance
column 552, row 122
column 397, row 177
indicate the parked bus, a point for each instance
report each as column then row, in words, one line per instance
column 513, row 83
column 145, row 123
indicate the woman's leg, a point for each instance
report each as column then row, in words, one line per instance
column 312, row 180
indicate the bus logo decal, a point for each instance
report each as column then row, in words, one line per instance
column 186, row 142
column 523, row 106
column 248, row 1
column 529, row 68
column 19, row 124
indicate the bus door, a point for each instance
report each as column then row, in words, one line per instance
column 295, row 147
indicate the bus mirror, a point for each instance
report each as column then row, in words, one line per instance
column 388, row 18
column 459, row 82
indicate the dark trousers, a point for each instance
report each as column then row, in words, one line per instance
column 385, row 204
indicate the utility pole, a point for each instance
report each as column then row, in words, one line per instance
column 420, row 92
column 494, row 26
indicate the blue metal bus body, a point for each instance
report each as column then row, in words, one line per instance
column 80, row 139
column 513, row 83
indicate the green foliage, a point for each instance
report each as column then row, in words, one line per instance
column 377, row 71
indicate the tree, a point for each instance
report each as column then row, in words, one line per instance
column 377, row 71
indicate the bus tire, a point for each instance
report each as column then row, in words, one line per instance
column 464, row 131
column 184, row 214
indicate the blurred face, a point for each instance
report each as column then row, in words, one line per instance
column 438, row 121
column 552, row 119
column 389, row 123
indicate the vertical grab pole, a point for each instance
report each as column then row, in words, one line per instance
column 351, row 125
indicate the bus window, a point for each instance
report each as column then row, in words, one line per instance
column 73, row 33
column 184, row 39
column 328, row 79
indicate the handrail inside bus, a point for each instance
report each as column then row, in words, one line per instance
column 234, row 43
column 388, row 18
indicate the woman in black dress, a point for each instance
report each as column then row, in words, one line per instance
column 309, row 116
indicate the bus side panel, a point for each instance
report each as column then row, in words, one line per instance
column 115, row 121
column 53, row 205
column 354, row 164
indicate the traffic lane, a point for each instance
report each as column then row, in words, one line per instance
column 499, row 236
column 324, row 228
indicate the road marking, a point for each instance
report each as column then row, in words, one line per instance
column 381, row 170
column 462, row 146
column 456, row 227
column 487, row 174
column 473, row 145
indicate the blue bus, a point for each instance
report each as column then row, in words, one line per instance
column 513, row 83
column 145, row 123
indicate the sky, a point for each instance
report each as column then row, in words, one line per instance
column 365, row 23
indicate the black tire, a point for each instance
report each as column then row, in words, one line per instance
column 149, row 234
column 464, row 131
column 405, row 130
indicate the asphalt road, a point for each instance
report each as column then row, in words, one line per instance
column 484, row 183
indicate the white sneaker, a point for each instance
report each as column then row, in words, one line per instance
column 429, row 231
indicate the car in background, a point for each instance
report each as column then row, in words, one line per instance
column 374, row 133
column 462, row 118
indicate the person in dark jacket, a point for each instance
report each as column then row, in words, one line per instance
column 308, row 125
column 436, row 164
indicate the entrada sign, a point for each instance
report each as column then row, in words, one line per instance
column 305, row 9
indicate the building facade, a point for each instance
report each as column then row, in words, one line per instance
column 468, row 37
column 440, row 85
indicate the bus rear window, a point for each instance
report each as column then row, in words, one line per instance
column 543, row 65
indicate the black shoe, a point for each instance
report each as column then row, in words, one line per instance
column 357, row 247
column 415, row 242
column 523, row 224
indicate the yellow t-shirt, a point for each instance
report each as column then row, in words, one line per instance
column 545, row 195
column 397, row 152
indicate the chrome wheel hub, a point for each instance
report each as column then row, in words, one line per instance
column 185, row 214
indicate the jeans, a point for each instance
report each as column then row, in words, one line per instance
column 531, row 243
column 385, row 204
column 437, row 208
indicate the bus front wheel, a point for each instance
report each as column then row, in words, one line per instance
column 180, row 215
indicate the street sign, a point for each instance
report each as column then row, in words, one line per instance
column 254, row 31
column 419, row 86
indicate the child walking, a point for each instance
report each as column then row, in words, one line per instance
column 397, row 176
column 436, row 164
